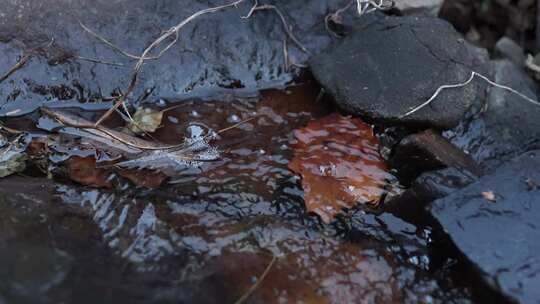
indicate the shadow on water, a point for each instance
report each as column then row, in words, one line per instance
column 206, row 237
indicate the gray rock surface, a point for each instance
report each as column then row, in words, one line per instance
column 505, row 125
column 390, row 67
column 509, row 49
column 215, row 52
column 500, row 237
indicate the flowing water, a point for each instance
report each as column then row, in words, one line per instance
column 208, row 235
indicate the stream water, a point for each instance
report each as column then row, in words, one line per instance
column 207, row 236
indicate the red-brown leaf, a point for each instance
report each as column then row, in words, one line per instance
column 83, row 170
column 340, row 165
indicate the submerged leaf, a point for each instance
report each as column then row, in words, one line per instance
column 340, row 165
column 83, row 170
column 146, row 120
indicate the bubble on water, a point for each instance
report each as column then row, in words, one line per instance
column 172, row 119
column 233, row 118
column 194, row 114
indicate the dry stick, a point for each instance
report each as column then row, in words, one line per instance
column 99, row 61
column 259, row 281
column 460, row 85
column 15, row 67
column 78, row 122
column 172, row 31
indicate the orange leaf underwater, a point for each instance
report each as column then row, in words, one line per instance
column 340, row 165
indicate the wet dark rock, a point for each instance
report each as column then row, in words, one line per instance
column 390, row 67
column 216, row 52
column 426, row 151
column 509, row 49
column 505, row 125
column 428, row 187
column 499, row 235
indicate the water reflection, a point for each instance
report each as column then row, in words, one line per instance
column 207, row 237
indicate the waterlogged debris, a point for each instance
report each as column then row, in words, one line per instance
column 83, row 170
column 145, row 163
column 12, row 157
column 340, row 165
column 195, row 151
column 86, row 171
column 145, row 120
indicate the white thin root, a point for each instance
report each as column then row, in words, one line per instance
column 529, row 63
column 460, row 85
column 369, row 6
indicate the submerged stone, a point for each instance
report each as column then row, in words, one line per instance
column 494, row 223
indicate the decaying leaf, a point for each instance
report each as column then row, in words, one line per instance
column 193, row 154
column 146, row 120
column 340, row 165
column 84, row 171
column 12, row 157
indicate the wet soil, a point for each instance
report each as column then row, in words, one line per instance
column 207, row 236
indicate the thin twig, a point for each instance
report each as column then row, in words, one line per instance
column 70, row 120
column 288, row 30
column 336, row 17
column 99, row 61
column 145, row 55
column 9, row 130
column 110, row 44
column 20, row 63
column 246, row 295
column 462, row 84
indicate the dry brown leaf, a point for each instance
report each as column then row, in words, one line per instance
column 340, row 165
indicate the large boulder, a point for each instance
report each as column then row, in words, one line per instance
column 219, row 51
column 505, row 125
column 388, row 68
column 494, row 223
